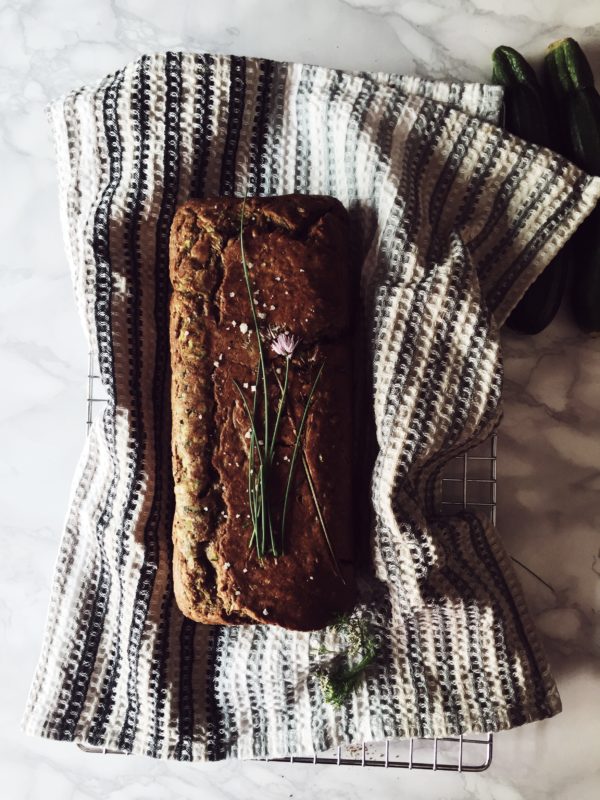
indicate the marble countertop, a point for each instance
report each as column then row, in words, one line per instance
column 549, row 444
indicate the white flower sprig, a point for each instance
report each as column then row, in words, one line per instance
column 284, row 345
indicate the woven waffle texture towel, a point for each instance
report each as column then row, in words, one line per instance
column 455, row 218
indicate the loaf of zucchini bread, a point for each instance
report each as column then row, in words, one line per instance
column 263, row 520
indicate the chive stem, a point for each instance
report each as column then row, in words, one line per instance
column 259, row 474
column 247, row 409
column 320, row 517
column 295, row 453
column 313, row 492
column 252, row 491
column 264, row 465
column 263, row 516
column 253, row 435
column 282, row 399
column 255, row 320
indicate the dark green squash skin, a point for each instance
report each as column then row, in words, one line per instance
column 527, row 116
column 577, row 103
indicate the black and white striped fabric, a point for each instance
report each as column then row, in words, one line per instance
column 456, row 218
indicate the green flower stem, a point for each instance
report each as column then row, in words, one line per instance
column 272, row 534
column 258, row 479
column 313, row 492
column 320, row 517
column 254, row 502
column 282, row 400
column 252, row 486
column 295, row 454
column 248, row 412
column 263, row 515
column 264, row 465
column 270, row 449
column 255, row 320
column 253, row 436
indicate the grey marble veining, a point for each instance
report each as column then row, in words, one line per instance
column 549, row 448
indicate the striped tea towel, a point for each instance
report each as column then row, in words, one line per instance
column 456, row 218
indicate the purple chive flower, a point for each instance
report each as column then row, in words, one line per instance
column 284, row 344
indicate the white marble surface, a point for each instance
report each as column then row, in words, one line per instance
column 549, row 468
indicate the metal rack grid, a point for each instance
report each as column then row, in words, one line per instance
column 469, row 481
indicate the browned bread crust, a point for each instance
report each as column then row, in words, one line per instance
column 297, row 249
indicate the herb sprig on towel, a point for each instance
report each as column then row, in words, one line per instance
column 344, row 673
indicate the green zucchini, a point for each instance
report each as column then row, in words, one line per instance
column 584, row 129
column 567, row 67
column 585, row 290
column 524, row 110
column 577, row 102
column 526, row 115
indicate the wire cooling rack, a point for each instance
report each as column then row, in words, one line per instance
column 469, row 481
